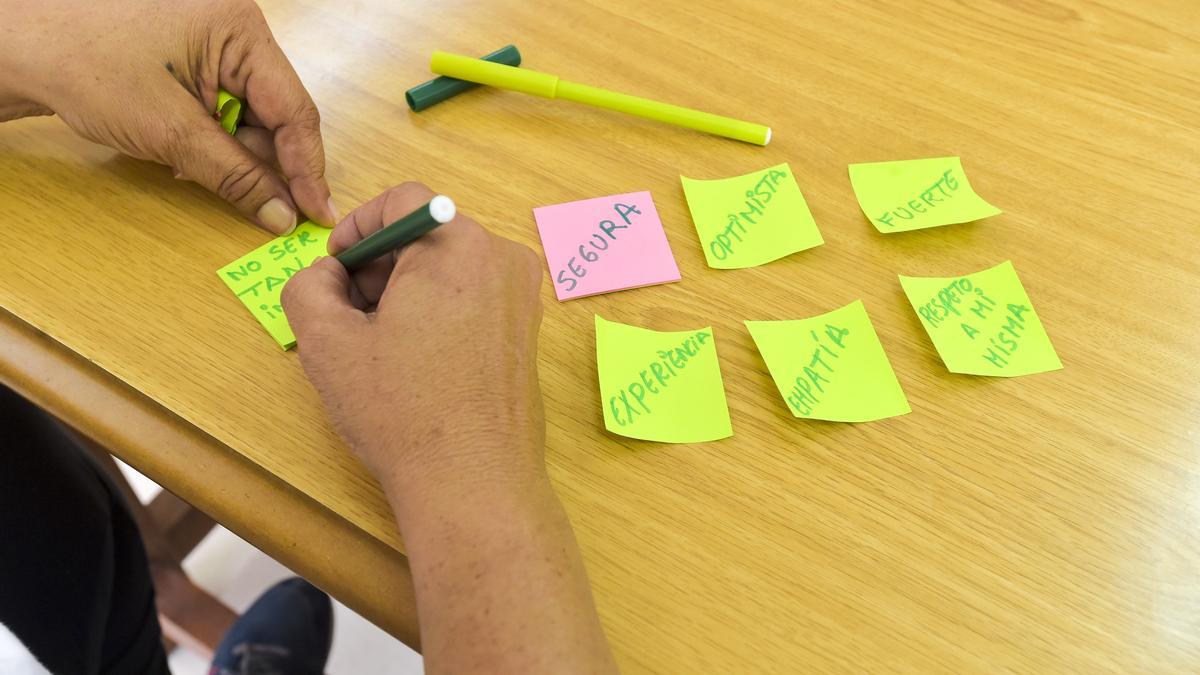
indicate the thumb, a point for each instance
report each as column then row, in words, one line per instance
column 317, row 299
column 282, row 105
column 201, row 151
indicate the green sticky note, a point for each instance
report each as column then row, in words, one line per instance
column 229, row 110
column 257, row 278
column 661, row 386
column 750, row 220
column 917, row 193
column 831, row 366
column 982, row 323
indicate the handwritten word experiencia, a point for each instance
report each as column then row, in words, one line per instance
column 654, row 379
column 946, row 186
column 802, row 397
column 999, row 345
column 722, row 245
column 589, row 251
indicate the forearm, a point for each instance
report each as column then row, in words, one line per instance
column 499, row 580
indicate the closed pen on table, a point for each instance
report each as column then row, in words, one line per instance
column 551, row 86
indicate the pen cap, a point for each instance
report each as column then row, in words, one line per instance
column 494, row 74
column 439, row 89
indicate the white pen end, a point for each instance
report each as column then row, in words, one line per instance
column 442, row 208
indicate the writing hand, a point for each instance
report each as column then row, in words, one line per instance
column 426, row 359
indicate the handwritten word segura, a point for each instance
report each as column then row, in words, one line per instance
column 590, row 250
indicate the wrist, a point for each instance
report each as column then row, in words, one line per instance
column 465, row 476
column 447, row 452
column 505, row 513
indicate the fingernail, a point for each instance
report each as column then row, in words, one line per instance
column 277, row 216
column 333, row 212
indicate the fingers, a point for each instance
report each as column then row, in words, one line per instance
column 372, row 278
column 383, row 210
column 260, row 142
column 281, row 104
column 200, row 150
column 318, row 300
column 370, row 218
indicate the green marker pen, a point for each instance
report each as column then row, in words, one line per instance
column 439, row 210
column 551, row 86
column 441, row 88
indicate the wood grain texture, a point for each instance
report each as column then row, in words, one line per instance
column 1046, row 523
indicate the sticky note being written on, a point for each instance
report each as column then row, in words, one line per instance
column 605, row 244
column 661, row 386
column 917, row 193
column 750, row 220
column 831, row 366
column 257, row 278
column 982, row 323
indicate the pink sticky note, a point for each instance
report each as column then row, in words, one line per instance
column 605, row 244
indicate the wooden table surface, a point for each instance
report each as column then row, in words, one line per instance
column 1043, row 523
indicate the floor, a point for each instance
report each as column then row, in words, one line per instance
column 236, row 572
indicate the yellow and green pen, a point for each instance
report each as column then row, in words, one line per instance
column 551, row 86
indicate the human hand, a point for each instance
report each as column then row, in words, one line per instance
column 142, row 76
column 436, row 391
column 426, row 359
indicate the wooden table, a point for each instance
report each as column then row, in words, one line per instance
column 1044, row 523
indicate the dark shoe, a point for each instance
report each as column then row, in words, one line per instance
column 287, row 631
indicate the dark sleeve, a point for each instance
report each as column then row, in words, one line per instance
column 74, row 582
